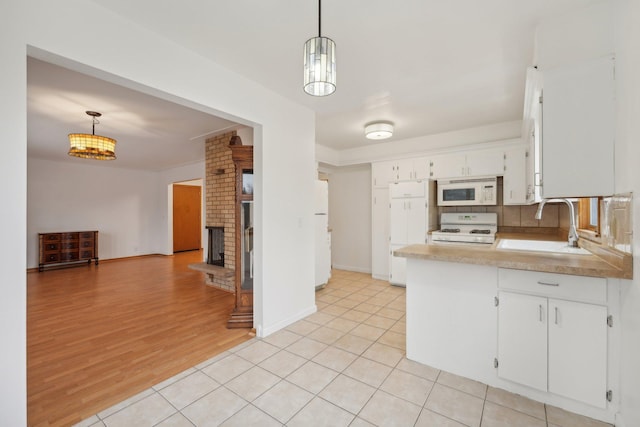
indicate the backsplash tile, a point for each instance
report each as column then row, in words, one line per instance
column 511, row 216
column 617, row 229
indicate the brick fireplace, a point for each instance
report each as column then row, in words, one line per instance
column 220, row 203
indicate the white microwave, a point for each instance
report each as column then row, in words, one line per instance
column 467, row 191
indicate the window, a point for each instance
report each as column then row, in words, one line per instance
column 589, row 214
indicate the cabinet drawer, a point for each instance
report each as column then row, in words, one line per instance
column 564, row 286
column 86, row 243
column 50, row 247
column 50, row 257
column 86, row 234
column 86, row 253
column 53, row 237
column 69, row 244
column 68, row 256
column 69, row 236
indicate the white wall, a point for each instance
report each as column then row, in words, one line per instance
column 122, row 204
column 13, row 227
column 627, row 41
column 142, row 60
column 350, row 218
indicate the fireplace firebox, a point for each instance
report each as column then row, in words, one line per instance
column 215, row 246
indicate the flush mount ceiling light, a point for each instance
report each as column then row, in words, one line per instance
column 92, row 146
column 378, row 130
column 319, row 63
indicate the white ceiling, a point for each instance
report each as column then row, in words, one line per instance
column 429, row 66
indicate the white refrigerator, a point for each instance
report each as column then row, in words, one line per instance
column 323, row 235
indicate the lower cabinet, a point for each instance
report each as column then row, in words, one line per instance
column 554, row 345
column 522, row 339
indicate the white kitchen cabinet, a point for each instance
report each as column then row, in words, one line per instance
column 550, row 343
column 578, row 351
column 407, row 223
column 421, row 168
column 398, row 267
column 522, row 339
column 382, row 173
column 578, row 129
column 448, row 166
column 532, row 133
column 515, row 184
column 470, row 164
column 380, row 233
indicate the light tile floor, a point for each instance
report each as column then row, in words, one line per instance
column 342, row 366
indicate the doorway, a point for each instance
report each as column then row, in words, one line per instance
column 187, row 217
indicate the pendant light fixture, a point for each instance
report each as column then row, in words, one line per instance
column 92, row 146
column 319, row 63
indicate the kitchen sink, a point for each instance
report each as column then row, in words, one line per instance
column 541, row 246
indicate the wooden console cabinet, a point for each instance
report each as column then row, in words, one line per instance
column 67, row 248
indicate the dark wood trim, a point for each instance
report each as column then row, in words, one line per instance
column 242, row 315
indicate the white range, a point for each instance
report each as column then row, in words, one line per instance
column 470, row 228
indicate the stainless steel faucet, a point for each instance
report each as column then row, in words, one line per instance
column 573, row 232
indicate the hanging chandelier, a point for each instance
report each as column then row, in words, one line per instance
column 319, row 63
column 92, row 146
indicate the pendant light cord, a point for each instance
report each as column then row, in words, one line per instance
column 319, row 18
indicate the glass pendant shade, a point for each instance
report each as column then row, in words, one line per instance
column 88, row 146
column 92, row 146
column 320, row 66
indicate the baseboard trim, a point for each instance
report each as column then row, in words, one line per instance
column 105, row 260
column 266, row 331
column 350, row 268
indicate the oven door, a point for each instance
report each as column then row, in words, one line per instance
column 458, row 194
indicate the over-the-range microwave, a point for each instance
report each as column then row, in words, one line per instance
column 467, row 191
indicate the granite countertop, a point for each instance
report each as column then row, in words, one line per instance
column 580, row 265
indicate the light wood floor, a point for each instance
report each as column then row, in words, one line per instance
column 98, row 335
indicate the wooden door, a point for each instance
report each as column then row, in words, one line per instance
column 187, row 226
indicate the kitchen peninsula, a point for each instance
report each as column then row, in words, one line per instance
column 534, row 323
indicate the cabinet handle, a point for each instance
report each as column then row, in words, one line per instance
column 548, row 283
column 540, row 311
column 555, row 309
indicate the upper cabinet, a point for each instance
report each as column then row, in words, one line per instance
column 578, row 129
column 532, row 134
column 471, row 163
column 382, row 173
column 517, row 188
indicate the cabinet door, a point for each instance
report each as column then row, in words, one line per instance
column 485, row 163
column 380, row 233
column 404, row 170
column 448, row 166
column 532, row 131
column 514, row 183
column 382, row 173
column 421, row 168
column 398, row 221
column 522, row 339
column 416, row 221
column 578, row 129
column 578, row 351
column 398, row 267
